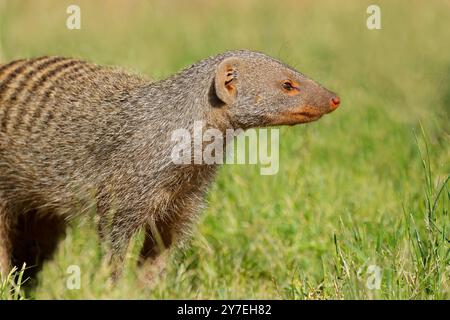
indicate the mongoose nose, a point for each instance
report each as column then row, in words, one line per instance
column 334, row 102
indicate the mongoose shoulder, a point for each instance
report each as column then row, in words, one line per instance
column 75, row 136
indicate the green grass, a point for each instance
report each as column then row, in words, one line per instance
column 364, row 186
column 11, row 285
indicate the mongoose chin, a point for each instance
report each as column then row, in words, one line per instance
column 77, row 138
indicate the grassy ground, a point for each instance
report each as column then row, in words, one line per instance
column 359, row 190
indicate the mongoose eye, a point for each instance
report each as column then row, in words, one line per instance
column 288, row 86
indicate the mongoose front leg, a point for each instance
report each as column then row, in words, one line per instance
column 161, row 234
column 124, row 227
column 152, row 259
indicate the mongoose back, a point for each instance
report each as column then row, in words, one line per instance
column 75, row 136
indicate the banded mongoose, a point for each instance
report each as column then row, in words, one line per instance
column 76, row 136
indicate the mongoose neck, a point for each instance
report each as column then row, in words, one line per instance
column 188, row 96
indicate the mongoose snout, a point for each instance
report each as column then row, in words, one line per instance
column 77, row 137
column 335, row 102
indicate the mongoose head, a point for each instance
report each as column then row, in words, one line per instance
column 261, row 91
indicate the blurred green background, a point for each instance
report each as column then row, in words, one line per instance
column 352, row 191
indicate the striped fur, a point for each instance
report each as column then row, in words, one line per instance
column 26, row 87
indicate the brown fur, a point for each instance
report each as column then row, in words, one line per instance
column 76, row 136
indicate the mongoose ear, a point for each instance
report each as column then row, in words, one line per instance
column 226, row 80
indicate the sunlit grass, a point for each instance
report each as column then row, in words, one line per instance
column 11, row 285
